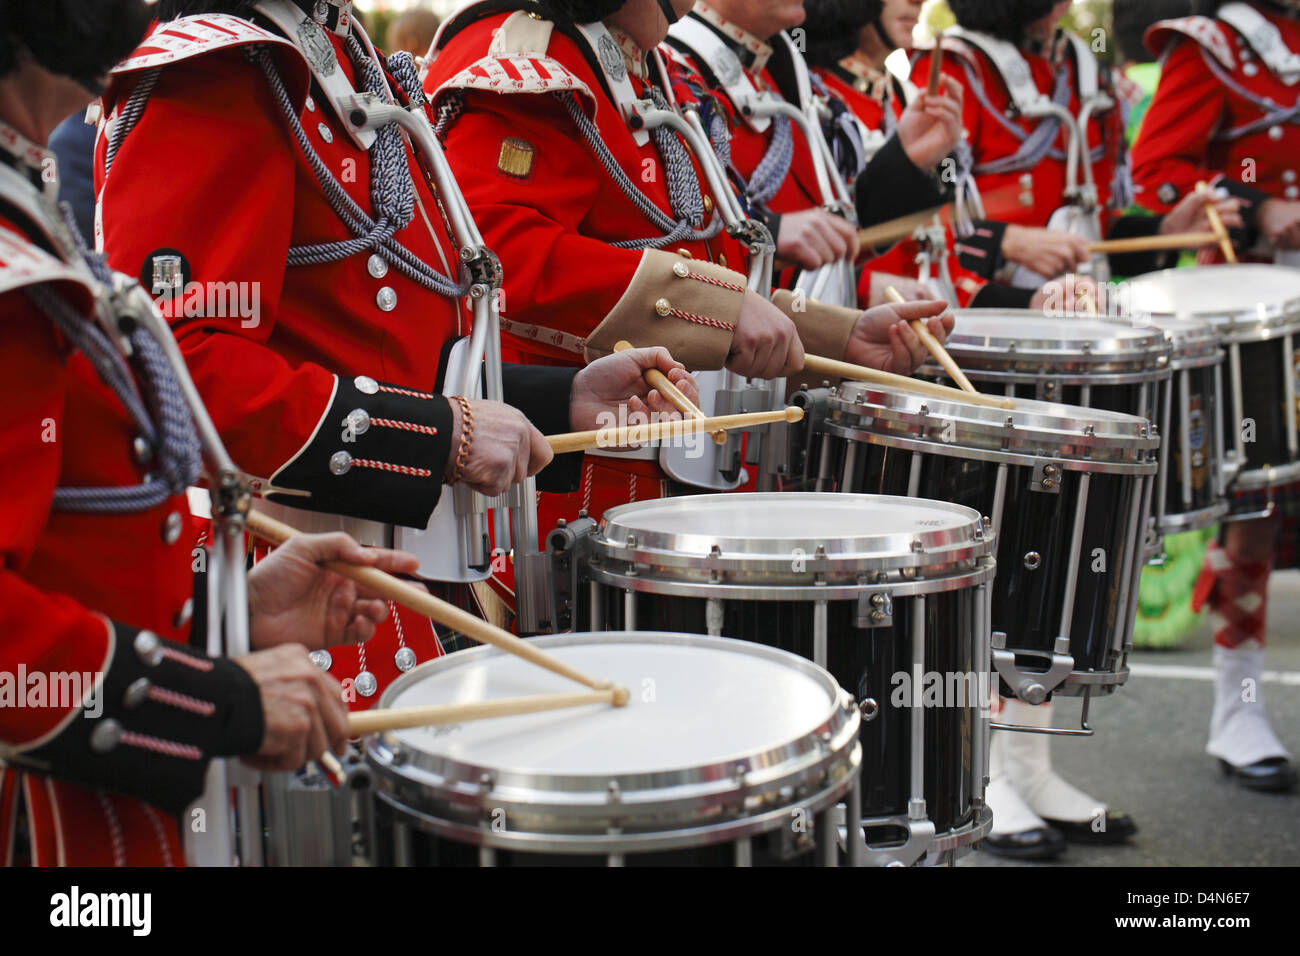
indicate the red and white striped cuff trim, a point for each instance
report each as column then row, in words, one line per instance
column 404, row 391
column 182, row 701
column 404, row 426
column 389, row 466
column 169, row 748
column 702, row 320
column 716, row 282
column 179, row 657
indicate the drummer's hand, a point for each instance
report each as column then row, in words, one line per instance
column 883, row 339
column 619, row 379
column 930, row 127
column 1070, row 295
column 302, row 708
column 294, row 599
column 1190, row 215
column 911, row 289
column 505, row 448
column 1279, row 221
column 1049, row 252
column 766, row 343
column 814, row 237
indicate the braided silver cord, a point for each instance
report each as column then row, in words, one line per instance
column 673, row 231
column 770, row 173
column 130, row 115
column 402, row 65
column 370, row 235
column 720, row 137
column 683, row 185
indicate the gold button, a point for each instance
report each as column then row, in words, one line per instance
column 722, row 259
column 685, row 253
column 708, row 204
column 681, row 270
column 663, row 307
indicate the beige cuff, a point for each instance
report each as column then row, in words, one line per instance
column 823, row 329
column 688, row 306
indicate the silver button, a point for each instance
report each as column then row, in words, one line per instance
column 386, row 299
column 377, row 266
column 340, row 463
column 1291, row 192
column 357, row 421
column 105, row 736
column 1250, row 69
column 136, row 693
column 311, row 105
column 322, row 659
column 404, row 659
column 142, row 450
column 1288, row 176
column 182, row 617
column 148, row 647
column 365, row 385
column 366, row 684
column 171, row 529
column 1275, row 133
column 325, row 133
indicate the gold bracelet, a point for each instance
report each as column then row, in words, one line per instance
column 466, row 438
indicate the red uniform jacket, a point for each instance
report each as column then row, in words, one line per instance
column 92, row 599
column 1023, row 197
column 1211, row 117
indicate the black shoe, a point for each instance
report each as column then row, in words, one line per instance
column 1040, row 843
column 1274, row 775
column 1117, row 828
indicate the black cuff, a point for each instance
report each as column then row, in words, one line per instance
column 994, row 295
column 379, row 453
column 1139, row 263
column 542, row 392
column 161, row 711
column 1247, row 237
column 892, row 186
column 981, row 251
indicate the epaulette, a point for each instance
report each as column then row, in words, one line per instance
column 517, row 62
column 23, row 264
column 1208, row 32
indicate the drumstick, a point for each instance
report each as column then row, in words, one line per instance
column 1216, row 222
column 934, row 345
column 422, row 602
column 1175, row 240
column 874, row 376
column 1084, row 296
column 396, row 718
column 668, row 390
column 638, row 434
column 886, row 232
column 936, row 62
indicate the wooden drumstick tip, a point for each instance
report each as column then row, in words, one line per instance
column 621, row 696
column 793, row 413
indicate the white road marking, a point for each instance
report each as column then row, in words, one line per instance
column 1188, row 672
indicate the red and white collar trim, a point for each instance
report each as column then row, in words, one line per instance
column 35, row 162
column 760, row 51
column 633, row 56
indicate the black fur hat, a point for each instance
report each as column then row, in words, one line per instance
column 1004, row 19
column 171, row 9
column 565, row 12
column 82, row 39
column 1132, row 17
column 831, row 27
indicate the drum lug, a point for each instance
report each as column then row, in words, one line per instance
column 920, row 837
column 1032, row 686
column 874, row 610
column 570, row 553
column 1046, row 477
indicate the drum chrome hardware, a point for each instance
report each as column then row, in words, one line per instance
column 1032, row 686
column 782, row 749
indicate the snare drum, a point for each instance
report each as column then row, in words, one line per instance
column 1191, row 488
column 1093, row 362
column 1255, row 308
column 1067, row 491
column 727, row 752
column 886, row 593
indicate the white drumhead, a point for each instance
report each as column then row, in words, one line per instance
column 792, row 517
column 1213, row 290
column 692, row 704
column 990, row 328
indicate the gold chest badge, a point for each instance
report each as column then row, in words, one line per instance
column 516, row 157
